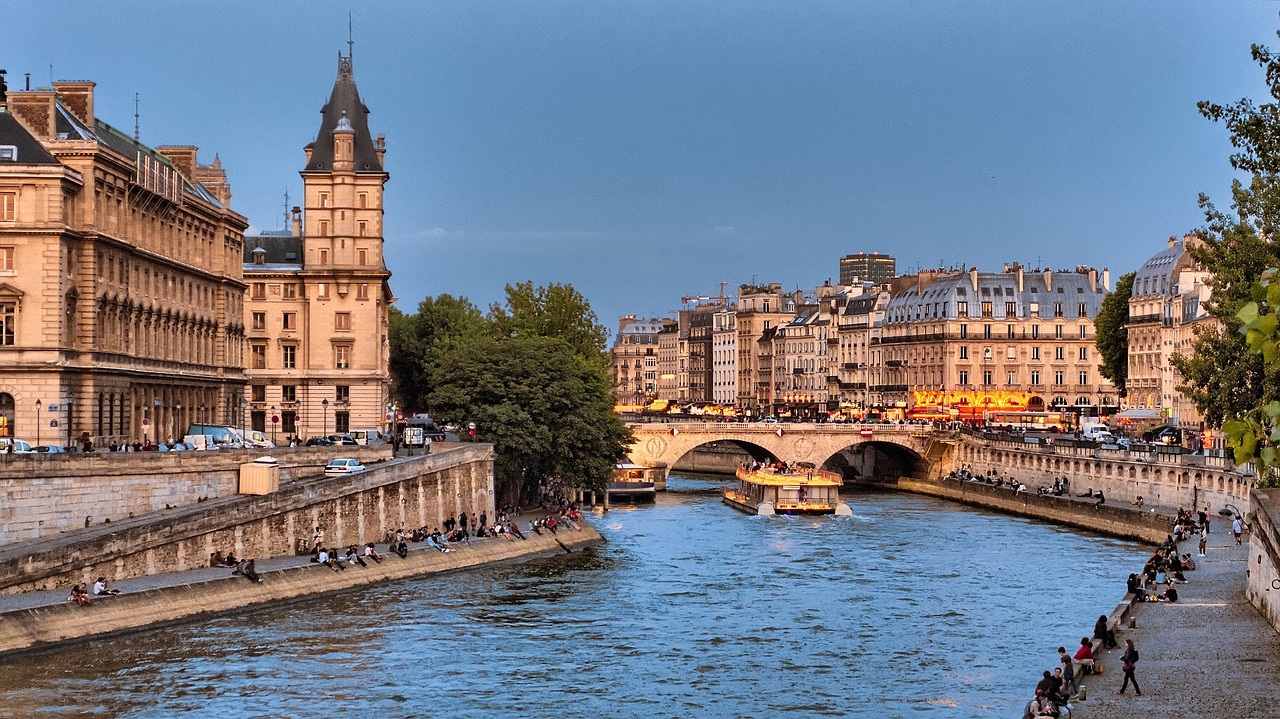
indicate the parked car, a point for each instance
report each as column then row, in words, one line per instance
column 1164, row 435
column 19, row 446
column 319, row 442
column 343, row 440
column 48, row 449
column 343, row 465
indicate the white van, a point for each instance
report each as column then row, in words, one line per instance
column 367, row 436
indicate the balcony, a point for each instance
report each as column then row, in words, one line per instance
column 853, row 385
column 889, row 388
column 895, row 363
column 797, row 370
column 1144, row 319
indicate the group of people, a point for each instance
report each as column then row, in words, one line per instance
column 80, row 593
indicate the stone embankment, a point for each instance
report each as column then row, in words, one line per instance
column 45, row 619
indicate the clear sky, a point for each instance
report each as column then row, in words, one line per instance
column 644, row 150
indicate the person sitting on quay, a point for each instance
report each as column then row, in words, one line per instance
column 1170, row 594
column 100, row 588
column 1135, row 588
column 1085, row 662
column 401, row 548
column 323, row 558
column 1104, row 633
column 372, row 553
column 79, row 595
column 433, row 541
column 1040, row 706
column 1137, row 502
column 1101, row 499
column 514, row 528
column 352, row 556
column 215, row 558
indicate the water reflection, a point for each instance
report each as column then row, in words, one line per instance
column 912, row 608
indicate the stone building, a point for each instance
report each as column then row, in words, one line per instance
column 633, row 360
column 863, row 267
column 761, row 308
column 724, row 356
column 801, row 364
column 985, row 341
column 1167, row 304
column 858, row 316
column 318, row 295
column 121, row 291
column 694, row 363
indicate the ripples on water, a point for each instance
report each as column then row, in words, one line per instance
column 914, row 608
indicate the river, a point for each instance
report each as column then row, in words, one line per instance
column 912, row 608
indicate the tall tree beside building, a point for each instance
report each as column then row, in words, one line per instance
column 530, row 375
column 1112, row 333
column 1223, row 378
column 417, row 340
column 552, row 310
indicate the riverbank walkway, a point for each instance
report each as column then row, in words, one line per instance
column 1210, row 654
column 190, row 577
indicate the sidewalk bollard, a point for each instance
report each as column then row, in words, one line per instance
column 1133, row 622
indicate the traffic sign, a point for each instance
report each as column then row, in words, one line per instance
column 275, row 419
column 146, row 422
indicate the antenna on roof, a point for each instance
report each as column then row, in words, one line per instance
column 286, row 207
column 350, row 37
column 50, row 74
column 135, row 117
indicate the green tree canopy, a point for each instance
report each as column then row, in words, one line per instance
column 1221, row 376
column 1111, row 330
column 530, row 375
column 552, row 311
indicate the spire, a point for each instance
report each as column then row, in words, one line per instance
column 344, row 107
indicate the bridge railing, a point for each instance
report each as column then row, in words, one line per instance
column 788, row 427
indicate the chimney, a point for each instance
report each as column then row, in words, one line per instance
column 973, row 278
column 1172, row 241
column 77, row 97
column 1048, row 280
column 310, row 146
column 1017, row 275
column 183, row 158
column 1106, row 280
column 35, row 110
column 297, row 221
column 381, row 147
column 1093, row 279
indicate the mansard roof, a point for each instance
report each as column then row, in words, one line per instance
column 282, row 251
column 345, row 99
column 29, row 151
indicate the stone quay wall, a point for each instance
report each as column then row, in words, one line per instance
column 43, row 495
column 1263, row 566
column 406, row 492
column 1169, row 480
column 1120, row 521
column 47, row 626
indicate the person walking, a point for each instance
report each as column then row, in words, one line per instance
column 1237, row 527
column 1204, row 540
column 1130, row 662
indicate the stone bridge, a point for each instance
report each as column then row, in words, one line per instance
column 895, row 450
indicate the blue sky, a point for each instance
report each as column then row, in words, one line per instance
column 642, row 151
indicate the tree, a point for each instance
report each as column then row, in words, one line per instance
column 552, row 311
column 547, row 411
column 417, row 341
column 1111, row 329
column 1231, row 375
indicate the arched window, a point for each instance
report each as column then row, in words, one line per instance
column 6, row 414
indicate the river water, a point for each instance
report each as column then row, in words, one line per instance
column 912, row 608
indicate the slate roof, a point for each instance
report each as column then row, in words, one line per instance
column 344, row 99
column 283, row 251
column 30, row 151
column 1157, row 276
column 938, row 299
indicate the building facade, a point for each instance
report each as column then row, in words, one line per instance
column 633, row 361
column 319, row 295
column 1165, row 308
column 761, row 308
column 997, row 341
column 863, row 267
column 724, row 356
column 121, row 289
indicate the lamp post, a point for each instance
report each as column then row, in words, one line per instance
column 155, row 419
column 177, row 412
column 244, row 426
column 324, row 405
column 38, row 405
column 273, row 424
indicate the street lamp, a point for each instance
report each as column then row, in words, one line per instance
column 324, row 404
column 273, row 424
column 177, row 411
column 244, row 426
column 38, row 405
column 155, row 419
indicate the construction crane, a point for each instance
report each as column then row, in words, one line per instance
column 721, row 298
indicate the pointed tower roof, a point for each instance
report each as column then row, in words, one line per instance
column 344, row 101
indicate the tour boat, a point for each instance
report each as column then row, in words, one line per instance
column 803, row 491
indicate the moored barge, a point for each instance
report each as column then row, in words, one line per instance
column 803, row 491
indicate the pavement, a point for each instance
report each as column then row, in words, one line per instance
column 1210, row 654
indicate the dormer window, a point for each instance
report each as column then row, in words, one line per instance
column 8, row 153
column 259, row 256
